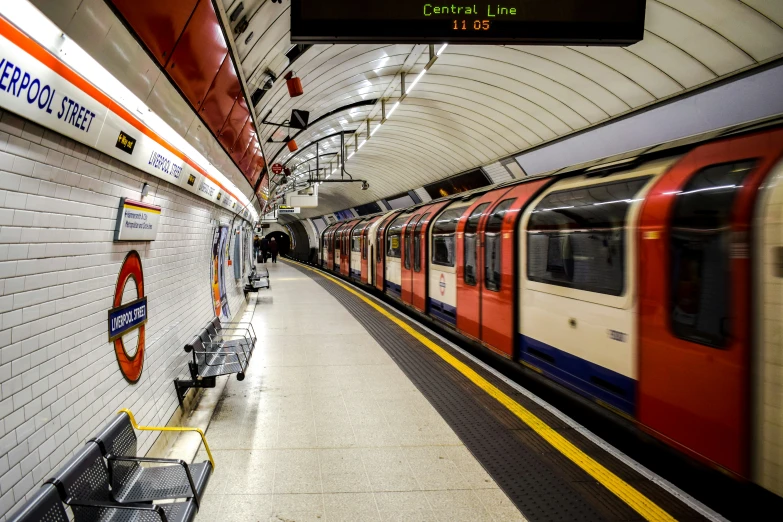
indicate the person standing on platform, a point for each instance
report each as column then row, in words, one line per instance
column 273, row 248
column 264, row 249
column 256, row 247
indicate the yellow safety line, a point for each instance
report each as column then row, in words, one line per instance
column 627, row 493
column 167, row 428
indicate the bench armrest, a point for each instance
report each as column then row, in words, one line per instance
column 239, row 323
column 172, row 428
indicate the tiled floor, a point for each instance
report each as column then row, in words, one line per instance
column 326, row 427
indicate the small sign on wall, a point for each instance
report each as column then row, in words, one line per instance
column 136, row 221
column 283, row 209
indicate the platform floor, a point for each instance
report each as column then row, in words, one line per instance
column 351, row 411
column 326, row 426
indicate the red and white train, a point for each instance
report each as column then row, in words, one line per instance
column 651, row 283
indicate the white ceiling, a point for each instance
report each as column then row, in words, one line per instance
column 481, row 103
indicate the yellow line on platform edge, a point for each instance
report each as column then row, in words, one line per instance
column 627, row 493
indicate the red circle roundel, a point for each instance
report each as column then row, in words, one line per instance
column 130, row 366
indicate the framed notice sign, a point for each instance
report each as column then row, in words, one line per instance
column 136, row 221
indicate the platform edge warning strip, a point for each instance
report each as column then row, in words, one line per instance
column 648, row 509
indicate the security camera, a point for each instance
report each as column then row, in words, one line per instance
column 365, row 185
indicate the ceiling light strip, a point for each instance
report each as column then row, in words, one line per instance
column 407, row 89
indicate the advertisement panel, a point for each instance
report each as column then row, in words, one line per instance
column 218, row 276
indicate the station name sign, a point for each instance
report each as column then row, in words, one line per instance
column 544, row 22
column 127, row 318
column 136, row 221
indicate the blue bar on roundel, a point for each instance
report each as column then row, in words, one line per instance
column 127, row 317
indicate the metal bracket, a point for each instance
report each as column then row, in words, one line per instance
column 182, row 386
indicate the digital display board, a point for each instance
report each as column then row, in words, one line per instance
column 544, row 22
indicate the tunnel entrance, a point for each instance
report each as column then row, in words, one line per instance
column 283, row 241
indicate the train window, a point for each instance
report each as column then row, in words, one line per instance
column 408, row 241
column 471, row 241
column 394, row 237
column 701, row 251
column 492, row 245
column 576, row 237
column 356, row 242
column 443, row 232
column 417, row 243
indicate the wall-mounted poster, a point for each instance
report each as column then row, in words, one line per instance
column 248, row 257
column 237, row 255
column 218, row 276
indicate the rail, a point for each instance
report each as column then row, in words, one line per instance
column 175, row 429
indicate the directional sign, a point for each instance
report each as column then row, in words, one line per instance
column 277, row 168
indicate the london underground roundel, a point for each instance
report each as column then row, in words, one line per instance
column 124, row 318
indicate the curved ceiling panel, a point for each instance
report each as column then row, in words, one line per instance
column 479, row 104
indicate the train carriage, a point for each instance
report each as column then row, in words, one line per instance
column 652, row 284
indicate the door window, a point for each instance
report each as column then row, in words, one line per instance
column 576, row 237
column 417, row 243
column 471, row 245
column 394, row 237
column 443, row 232
column 492, row 245
column 701, row 252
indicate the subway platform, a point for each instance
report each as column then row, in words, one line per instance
column 350, row 411
column 326, row 426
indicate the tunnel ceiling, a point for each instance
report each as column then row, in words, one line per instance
column 478, row 104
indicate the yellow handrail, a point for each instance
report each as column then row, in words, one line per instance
column 166, row 428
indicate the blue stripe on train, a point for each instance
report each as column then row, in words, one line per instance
column 580, row 375
column 356, row 274
column 394, row 289
column 442, row 311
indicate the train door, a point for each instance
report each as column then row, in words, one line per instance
column 470, row 265
column 380, row 251
column 694, row 291
column 324, row 249
column 366, row 276
column 406, row 277
column 330, row 246
column 355, row 265
column 336, row 246
column 768, row 278
column 393, row 261
column 345, row 250
column 442, row 261
column 420, row 256
column 497, row 245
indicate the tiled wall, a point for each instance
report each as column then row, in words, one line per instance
column 59, row 377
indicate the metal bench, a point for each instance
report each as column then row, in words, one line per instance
column 44, row 506
column 258, row 278
column 132, row 482
column 83, row 483
column 218, row 349
column 232, row 335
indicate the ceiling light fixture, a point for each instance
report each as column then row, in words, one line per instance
column 405, row 92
